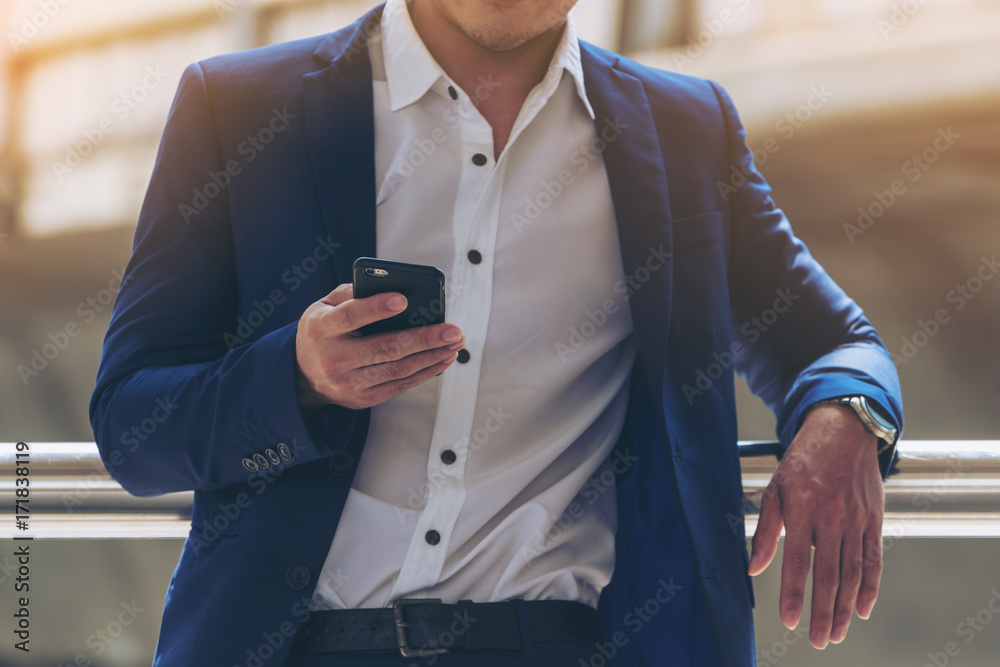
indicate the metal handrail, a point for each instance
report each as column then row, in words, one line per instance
column 942, row 489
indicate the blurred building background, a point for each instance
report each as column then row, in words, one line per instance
column 876, row 121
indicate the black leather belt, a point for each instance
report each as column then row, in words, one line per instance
column 419, row 628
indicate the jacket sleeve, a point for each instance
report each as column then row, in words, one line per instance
column 174, row 408
column 822, row 345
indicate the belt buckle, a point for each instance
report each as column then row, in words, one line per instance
column 404, row 645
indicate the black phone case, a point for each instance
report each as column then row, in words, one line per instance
column 423, row 287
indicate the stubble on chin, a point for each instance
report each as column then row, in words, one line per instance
column 497, row 37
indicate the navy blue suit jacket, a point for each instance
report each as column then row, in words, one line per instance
column 263, row 195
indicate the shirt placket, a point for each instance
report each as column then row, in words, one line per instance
column 468, row 294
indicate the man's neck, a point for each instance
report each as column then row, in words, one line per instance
column 514, row 73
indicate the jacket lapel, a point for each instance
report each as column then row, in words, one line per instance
column 339, row 96
column 341, row 129
column 638, row 181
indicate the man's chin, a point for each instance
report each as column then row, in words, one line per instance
column 499, row 40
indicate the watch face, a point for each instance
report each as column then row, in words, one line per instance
column 878, row 414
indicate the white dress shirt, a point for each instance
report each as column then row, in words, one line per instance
column 492, row 481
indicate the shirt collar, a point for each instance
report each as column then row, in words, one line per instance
column 410, row 69
column 567, row 57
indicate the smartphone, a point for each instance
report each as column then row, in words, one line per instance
column 423, row 287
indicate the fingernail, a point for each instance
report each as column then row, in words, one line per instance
column 396, row 302
column 451, row 335
column 455, row 347
column 752, row 567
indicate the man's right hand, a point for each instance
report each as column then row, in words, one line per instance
column 337, row 365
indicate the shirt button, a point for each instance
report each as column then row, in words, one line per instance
column 432, row 537
column 479, row 159
column 475, row 256
column 453, row 92
column 448, row 457
column 463, row 356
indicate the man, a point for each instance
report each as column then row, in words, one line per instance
column 557, row 463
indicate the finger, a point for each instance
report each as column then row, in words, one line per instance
column 356, row 313
column 383, row 392
column 342, row 293
column 765, row 536
column 371, row 376
column 826, row 580
column 851, row 567
column 872, row 574
column 794, row 570
column 395, row 345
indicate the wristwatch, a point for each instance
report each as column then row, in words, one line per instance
column 871, row 414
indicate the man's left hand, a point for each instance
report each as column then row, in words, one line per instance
column 827, row 493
